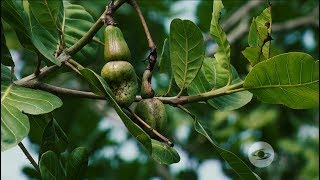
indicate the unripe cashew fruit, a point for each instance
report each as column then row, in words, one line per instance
column 153, row 112
column 146, row 89
column 122, row 79
column 115, row 46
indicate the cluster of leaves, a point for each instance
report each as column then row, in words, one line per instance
column 24, row 109
column 277, row 80
column 290, row 79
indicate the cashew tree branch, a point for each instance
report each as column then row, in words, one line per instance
column 35, row 84
column 146, row 89
column 153, row 50
column 67, row 53
column 28, row 155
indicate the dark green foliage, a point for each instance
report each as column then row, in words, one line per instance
column 94, row 124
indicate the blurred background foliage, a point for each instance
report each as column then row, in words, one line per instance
column 114, row 154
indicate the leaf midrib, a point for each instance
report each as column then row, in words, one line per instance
column 186, row 58
column 49, row 12
column 280, row 85
column 6, row 93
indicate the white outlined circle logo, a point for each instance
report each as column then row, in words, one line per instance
column 261, row 154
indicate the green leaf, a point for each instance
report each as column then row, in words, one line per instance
column 53, row 138
column 254, row 55
column 223, row 53
column 100, row 87
column 31, row 172
column 29, row 31
column 14, row 101
column 238, row 166
column 77, row 163
column 29, row 100
column 226, row 102
column 12, row 12
column 186, row 51
column 6, row 58
column 48, row 13
column 14, row 126
column 216, row 75
column 253, row 36
column 50, row 167
column 163, row 153
column 45, row 40
column 259, row 38
column 165, row 62
column 264, row 22
column 38, row 124
column 291, row 79
column 77, row 22
column 165, row 68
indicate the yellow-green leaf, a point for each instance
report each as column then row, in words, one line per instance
column 259, row 38
column 223, row 53
column 15, row 100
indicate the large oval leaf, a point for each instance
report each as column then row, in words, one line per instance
column 48, row 13
column 186, row 51
column 223, row 103
column 14, row 101
column 215, row 73
column 38, row 124
column 165, row 62
column 12, row 12
column 291, row 79
column 29, row 100
column 50, row 167
column 226, row 102
column 77, row 163
column 77, row 22
column 163, row 153
column 53, row 138
column 44, row 39
column 29, row 31
column 14, row 126
column 172, row 88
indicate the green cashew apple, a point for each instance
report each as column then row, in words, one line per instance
column 153, row 112
column 122, row 79
column 115, row 46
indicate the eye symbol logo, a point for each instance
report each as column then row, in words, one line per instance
column 261, row 154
